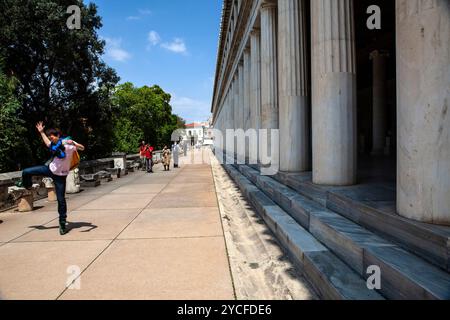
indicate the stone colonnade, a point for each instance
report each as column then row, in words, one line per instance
column 267, row 88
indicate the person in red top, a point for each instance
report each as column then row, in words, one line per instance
column 142, row 155
column 148, row 153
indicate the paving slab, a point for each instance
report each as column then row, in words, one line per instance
column 145, row 236
column 175, row 223
column 189, row 187
column 17, row 224
column 191, row 178
column 119, row 202
column 39, row 270
column 73, row 203
column 191, row 199
column 85, row 225
column 140, row 189
column 158, row 269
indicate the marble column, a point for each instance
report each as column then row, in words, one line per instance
column 247, row 124
column 333, row 92
column 423, row 115
column 255, row 87
column 269, row 77
column 255, row 79
column 247, row 71
column 292, row 80
column 241, row 96
column 379, row 116
column 236, row 93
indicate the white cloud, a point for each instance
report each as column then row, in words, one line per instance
column 154, row 38
column 115, row 51
column 145, row 12
column 191, row 109
column 177, row 46
column 141, row 13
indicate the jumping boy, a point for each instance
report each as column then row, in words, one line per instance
column 58, row 169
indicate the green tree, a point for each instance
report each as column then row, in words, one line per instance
column 60, row 73
column 12, row 129
column 149, row 112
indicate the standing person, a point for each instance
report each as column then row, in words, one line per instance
column 58, row 169
column 166, row 158
column 142, row 155
column 148, row 158
column 176, row 155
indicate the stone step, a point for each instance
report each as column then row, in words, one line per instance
column 404, row 275
column 332, row 278
column 430, row 242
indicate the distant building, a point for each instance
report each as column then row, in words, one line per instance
column 197, row 132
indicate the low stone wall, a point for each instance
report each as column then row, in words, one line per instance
column 94, row 166
column 100, row 169
column 8, row 180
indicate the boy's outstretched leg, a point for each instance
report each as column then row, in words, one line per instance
column 28, row 174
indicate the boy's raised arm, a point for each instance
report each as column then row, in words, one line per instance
column 41, row 128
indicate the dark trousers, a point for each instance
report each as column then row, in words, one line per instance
column 59, row 182
column 149, row 165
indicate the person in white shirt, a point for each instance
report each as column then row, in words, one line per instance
column 58, row 169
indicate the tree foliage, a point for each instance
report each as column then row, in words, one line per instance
column 57, row 75
column 147, row 112
column 11, row 127
column 60, row 74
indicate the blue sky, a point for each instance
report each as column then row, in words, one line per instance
column 172, row 43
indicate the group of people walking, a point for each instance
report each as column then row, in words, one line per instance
column 146, row 154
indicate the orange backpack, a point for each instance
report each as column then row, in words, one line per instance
column 75, row 160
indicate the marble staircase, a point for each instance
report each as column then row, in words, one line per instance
column 334, row 241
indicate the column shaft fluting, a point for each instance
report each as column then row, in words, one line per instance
column 423, row 102
column 247, row 89
column 333, row 92
column 293, row 96
column 269, row 77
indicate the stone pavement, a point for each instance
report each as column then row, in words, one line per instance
column 140, row 237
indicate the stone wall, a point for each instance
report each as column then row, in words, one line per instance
column 91, row 167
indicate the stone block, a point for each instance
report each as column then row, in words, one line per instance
column 334, row 280
column 90, row 184
column 73, row 184
column 405, row 276
column 51, row 195
column 346, row 239
column 90, row 181
column 23, row 197
column 428, row 241
column 26, row 203
column 115, row 172
column 104, row 176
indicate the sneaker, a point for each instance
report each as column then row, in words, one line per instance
column 62, row 228
column 19, row 184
